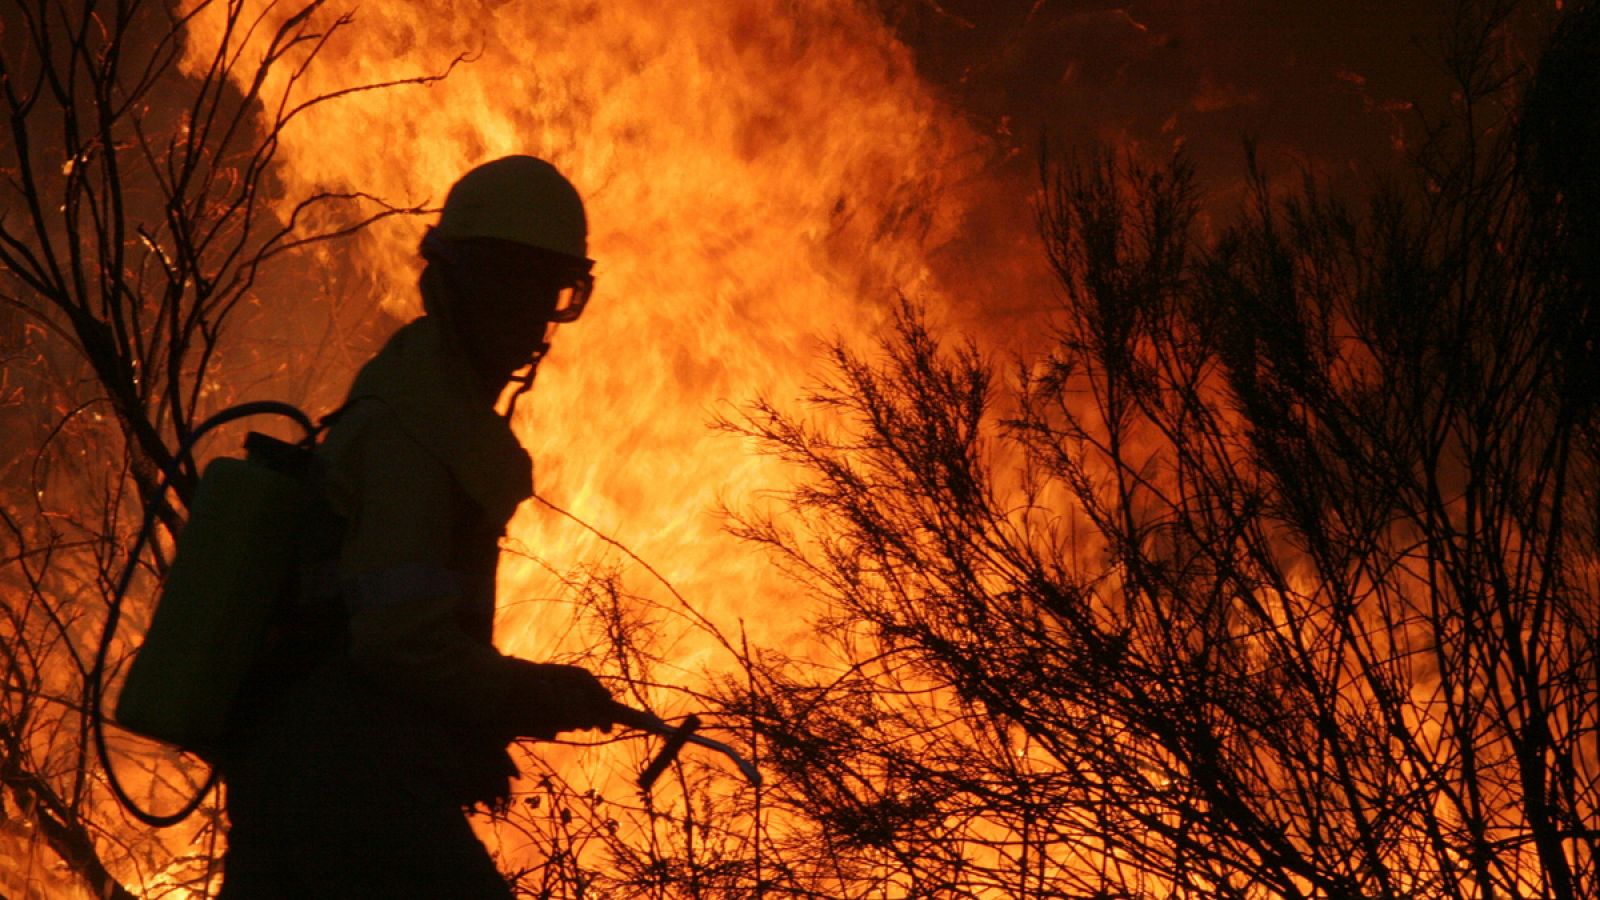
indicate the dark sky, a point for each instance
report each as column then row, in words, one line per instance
column 1328, row 82
column 1330, row 87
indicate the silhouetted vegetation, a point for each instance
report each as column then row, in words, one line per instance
column 1276, row 578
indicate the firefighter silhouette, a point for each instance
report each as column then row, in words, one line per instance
column 368, row 736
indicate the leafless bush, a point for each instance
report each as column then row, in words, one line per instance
column 1276, row 579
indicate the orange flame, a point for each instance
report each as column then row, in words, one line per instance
column 754, row 180
column 757, row 176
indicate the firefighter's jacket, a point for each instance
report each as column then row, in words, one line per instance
column 425, row 476
column 388, row 708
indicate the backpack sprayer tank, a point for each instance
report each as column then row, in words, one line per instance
column 235, row 563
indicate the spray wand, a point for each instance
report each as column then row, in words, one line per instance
column 677, row 737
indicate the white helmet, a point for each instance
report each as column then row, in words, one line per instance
column 521, row 199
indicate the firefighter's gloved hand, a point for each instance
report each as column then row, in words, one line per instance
column 546, row 698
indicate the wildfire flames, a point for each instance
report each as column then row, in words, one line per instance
column 763, row 180
column 754, row 182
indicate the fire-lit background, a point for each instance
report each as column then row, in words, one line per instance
column 762, row 178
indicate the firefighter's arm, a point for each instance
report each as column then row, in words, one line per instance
column 402, row 597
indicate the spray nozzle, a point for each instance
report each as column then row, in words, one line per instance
column 677, row 737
